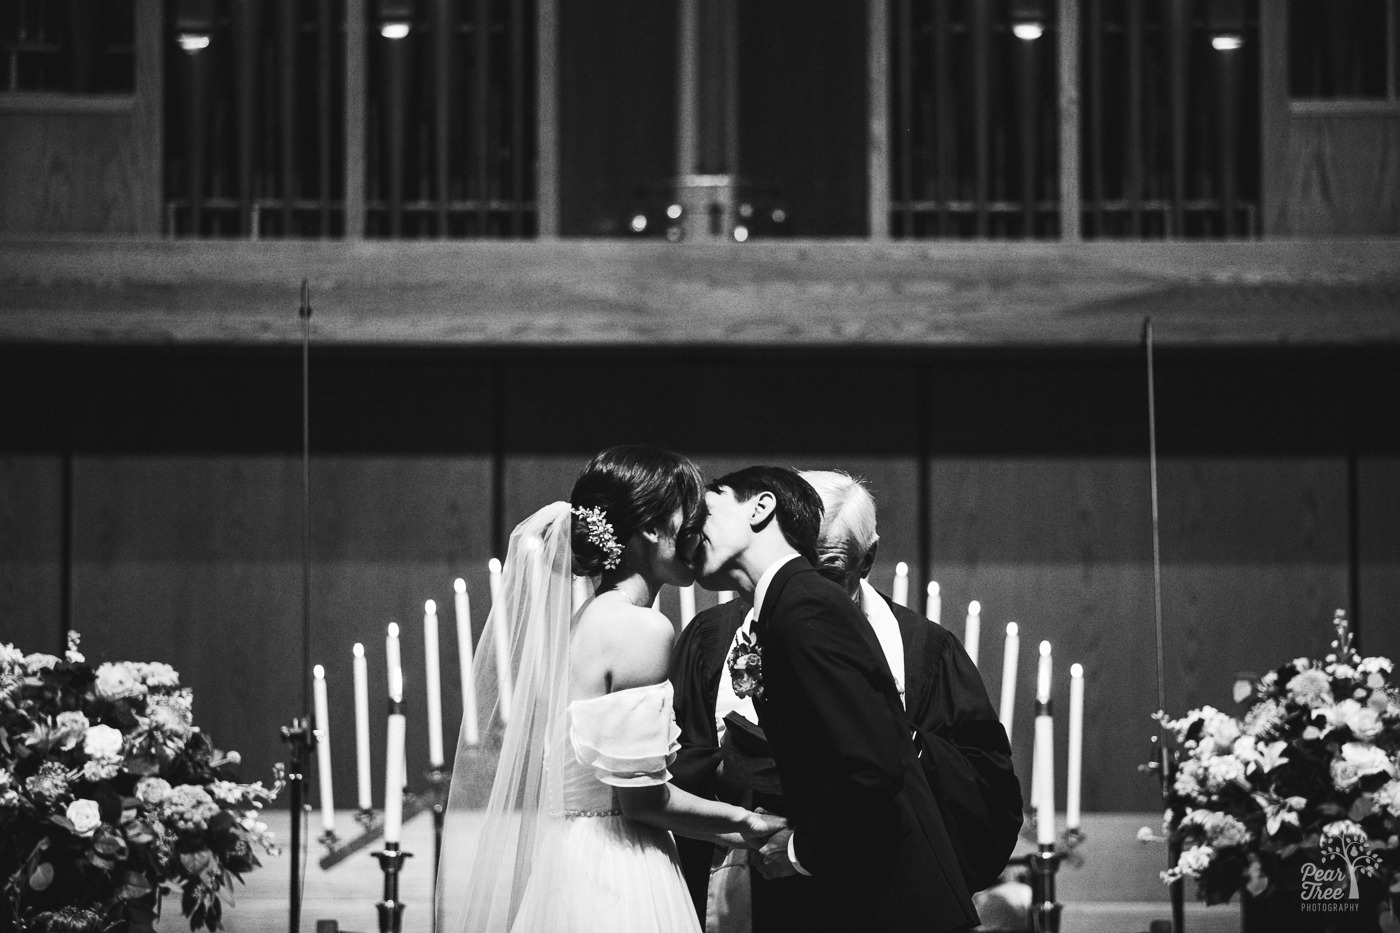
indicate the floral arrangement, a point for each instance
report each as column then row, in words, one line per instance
column 111, row 797
column 1310, row 771
column 746, row 667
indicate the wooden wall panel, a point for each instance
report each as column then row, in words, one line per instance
column 31, row 551
column 196, row 561
column 1062, row 547
column 1378, row 558
column 1342, row 174
column 803, row 416
column 1254, row 554
column 73, row 172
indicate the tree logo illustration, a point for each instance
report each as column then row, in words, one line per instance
column 1356, row 852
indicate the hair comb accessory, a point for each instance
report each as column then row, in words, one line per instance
column 600, row 533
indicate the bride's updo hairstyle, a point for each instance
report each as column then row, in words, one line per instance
column 633, row 486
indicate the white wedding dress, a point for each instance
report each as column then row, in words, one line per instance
column 598, row 870
column 550, row 851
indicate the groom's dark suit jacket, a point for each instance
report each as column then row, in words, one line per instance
column 965, row 756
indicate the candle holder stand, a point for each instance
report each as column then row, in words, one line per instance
column 1045, row 910
column 439, row 782
column 365, row 817
column 391, row 860
column 300, row 739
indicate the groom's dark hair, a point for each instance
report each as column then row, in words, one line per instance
column 799, row 508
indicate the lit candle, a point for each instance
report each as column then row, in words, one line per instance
column 1045, row 768
column 1008, row 676
column 933, row 609
column 725, row 595
column 391, row 652
column 323, row 748
column 900, row 593
column 1076, row 745
column 362, row 768
column 1042, row 695
column 394, row 777
column 433, row 679
column 501, row 627
column 687, row 604
column 1042, row 680
column 470, row 727
column 972, row 635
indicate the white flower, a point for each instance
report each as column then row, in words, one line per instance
column 1222, row 770
column 1246, row 749
column 152, row 790
column 103, row 742
column 1195, row 860
column 101, row 769
column 1221, row 730
column 1311, row 688
column 1367, row 759
column 37, row 662
column 157, row 674
column 1343, row 828
column 118, row 682
column 1271, row 756
column 227, row 791
column 1344, row 671
column 70, row 728
column 10, row 656
column 1375, row 666
column 1389, row 797
column 85, row 816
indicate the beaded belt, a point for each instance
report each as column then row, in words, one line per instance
column 575, row 814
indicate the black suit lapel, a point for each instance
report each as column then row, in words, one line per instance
column 775, row 589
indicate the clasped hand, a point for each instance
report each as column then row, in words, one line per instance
column 768, row 839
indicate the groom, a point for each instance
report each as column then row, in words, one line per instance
column 868, row 849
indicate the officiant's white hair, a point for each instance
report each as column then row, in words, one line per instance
column 848, row 507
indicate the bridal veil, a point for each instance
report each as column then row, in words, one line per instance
column 517, row 769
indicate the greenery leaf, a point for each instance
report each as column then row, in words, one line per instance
column 42, row 877
column 196, row 862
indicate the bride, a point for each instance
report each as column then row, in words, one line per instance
column 576, row 835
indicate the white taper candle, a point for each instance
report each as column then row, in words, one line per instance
column 362, row 759
column 394, row 661
column 1076, row 745
column 394, row 779
column 687, row 604
column 501, row 631
column 900, row 592
column 1010, row 658
column 323, row 748
column 972, row 634
column 933, row 605
column 433, row 683
column 1045, row 767
column 1042, row 679
column 471, row 726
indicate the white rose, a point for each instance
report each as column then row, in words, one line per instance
column 1366, row 758
column 85, row 816
column 1364, row 722
column 103, row 742
column 118, row 682
column 152, row 790
column 1195, row 860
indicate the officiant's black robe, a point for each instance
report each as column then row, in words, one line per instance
column 965, row 752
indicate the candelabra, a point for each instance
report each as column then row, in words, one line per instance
column 300, row 739
column 391, row 860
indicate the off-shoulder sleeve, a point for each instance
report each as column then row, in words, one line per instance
column 629, row 738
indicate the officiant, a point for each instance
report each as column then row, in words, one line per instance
column 962, row 745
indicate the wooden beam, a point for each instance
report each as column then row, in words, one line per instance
column 547, row 119
column 1069, row 120
column 356, row 68
column 877, row 171
column 799, row 293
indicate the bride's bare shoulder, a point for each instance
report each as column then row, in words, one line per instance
column 630, row 645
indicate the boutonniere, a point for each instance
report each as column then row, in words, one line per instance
column 746, row 667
